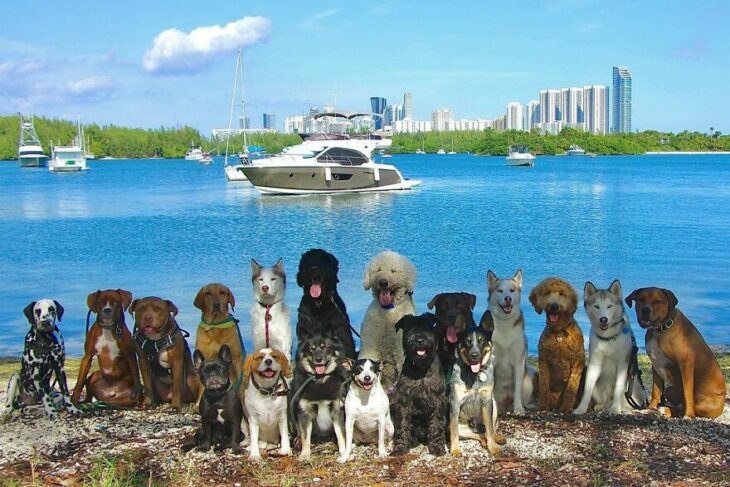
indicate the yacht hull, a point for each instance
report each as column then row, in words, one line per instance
column 32, row 161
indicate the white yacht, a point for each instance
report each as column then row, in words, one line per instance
column 519, row 155
column 576, row 150
column 30, row 151
column 69, row 158
column 194, row 154
column 206, row 159
column 326, row 163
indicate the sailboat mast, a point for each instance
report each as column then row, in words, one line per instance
column 233, row 100
column 243, row 106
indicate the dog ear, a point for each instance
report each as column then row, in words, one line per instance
column 173, row 308
column 91, row 301
column 231, row 298
column 632, row 297
column 487, row 322
column 471, row 299
column 402, row 323
column 589, row 289
column 346, row 364
column 366, row 278
column 126, row 298
column 199, row 298
column 279, row 265
column 615, row 289
column 283, row 362
column 672, row 299
column 28, row 312
column 433, row 319
column 534, row 300
column 224, row 353
column 336, row 264
column 248, row 367
column 491, row 280
column 434, row 301
column 132, row 306
column 59, row 309
column 198, row 359
column 518, row 278
column 255, row 268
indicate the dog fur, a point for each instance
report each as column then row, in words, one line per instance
column 321, row 310
column 505, row 319
column 454, row 314
column 269, row 286
column 391, row 279
column 561, row 355
column 687, row 377
column 420, row 405
column 611, row 347
column 266, row 376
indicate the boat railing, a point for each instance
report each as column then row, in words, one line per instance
column 343, row 160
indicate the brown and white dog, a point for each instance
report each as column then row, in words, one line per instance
column 687, row 377
column 561, row 355
column 117, row 381
column 164, row 356
column 218, row 327
column 266, row 374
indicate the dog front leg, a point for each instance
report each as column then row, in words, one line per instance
column 571, row 389
column 619, row 388
column 454, row 429
column 489, row 419
column 687, row 370
column 382, row 426
column 134, row 370
column 402, row 433
column 63, row 385
column 178, row 382
column 284, row 433
column 305, row 433
column 544, row 402
column 254, row 454
column 594, row 370
column 338, row 422
column 437, row 430
column 46, row 399
column 519, row 377
column 150, row 396
column 349, row 431
column 83, row 374
column 656, row 389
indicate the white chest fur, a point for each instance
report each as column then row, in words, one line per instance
column 280, row 334
column 659, row 361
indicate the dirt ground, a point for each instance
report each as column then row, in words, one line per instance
column 150, row 448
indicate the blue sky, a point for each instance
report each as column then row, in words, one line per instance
column 166, row 63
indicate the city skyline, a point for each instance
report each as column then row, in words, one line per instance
column 174, row 65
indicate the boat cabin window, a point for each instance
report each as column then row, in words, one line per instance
column 339, row 155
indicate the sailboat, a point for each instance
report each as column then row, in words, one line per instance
column 232, row 168
column 452, row 148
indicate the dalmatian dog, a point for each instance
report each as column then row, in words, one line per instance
column 44, row 355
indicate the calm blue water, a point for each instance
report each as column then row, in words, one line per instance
column 167, row 227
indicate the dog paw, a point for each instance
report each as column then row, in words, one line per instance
column 285, row 453
column 205, row 446
column 494, row 450
column 399, row 451
column 614, row 409
column 519, row 411
column 254, row 458
column 305, row 456
column 382, row 453
column 236, row 449
column 73, row 410
column 343, row 458
column 456, row 452
column 579, row 410
column 500, row 439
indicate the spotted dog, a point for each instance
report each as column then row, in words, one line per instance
column 44, row 355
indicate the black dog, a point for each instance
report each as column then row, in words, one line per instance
column 321, row 310
column 44, row 355
column 420, row 407
column 317, row 401
column 220, row 407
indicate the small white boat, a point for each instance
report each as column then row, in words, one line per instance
column 576, row 150
column 440, row 152
column 384, row 155
column 69, row 158
column 30, row 151
column 194, row 154
column 519, row 155
column 420, row 151
column 206, row 160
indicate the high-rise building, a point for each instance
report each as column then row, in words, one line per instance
column 408, row 106
column 294, row 124
column 532, row 114
column 595, row 105
column 441, row 118
column 621, row 100
column 244, row 123
column 270, row 121
column 515, row 120
column 377, row 105
column 572, row 103
column 549, row 106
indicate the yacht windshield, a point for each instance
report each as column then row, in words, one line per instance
column 346, row 157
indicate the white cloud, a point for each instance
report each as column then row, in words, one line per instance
column 313, row 22
column 10, row 69
column 174, row 51
column 90, row 85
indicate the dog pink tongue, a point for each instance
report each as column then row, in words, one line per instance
column 553, row 318
column 319, row 369
column 315, row 290
column 451, row 335
column 385, row 297
column 475, row 367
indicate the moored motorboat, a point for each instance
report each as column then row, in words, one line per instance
column 519, row 155
column 206, row 159
column 69, row 158
column 575, row 150
column 30, row 151
column 194, row 154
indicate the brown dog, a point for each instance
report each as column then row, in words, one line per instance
column 117, row 380
column 686, row 373
column 561, row 355
column 454, row 313
column 164, row 356
column 217, row 327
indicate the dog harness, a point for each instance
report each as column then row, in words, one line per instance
column 277, row 390
column 152, row 348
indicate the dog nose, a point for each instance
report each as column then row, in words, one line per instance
column 265, row 289
column 382, row 283
column 508, row 299
column 474, row 355
column 646, row 310
column 604, row 320
column 367, row 378
column 268, row 361
column 216, row 306
column 553, row 307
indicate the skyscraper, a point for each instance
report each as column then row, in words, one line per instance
column 572, row 107
column 270, row 121
column 595, row 105
column 244, row 122
column 377, row 105
column 441, row 118
column 621, row 100
column 408, row 106
column 514, row 116
column 549, row 106
column 532, row 114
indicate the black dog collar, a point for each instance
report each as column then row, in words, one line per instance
column 214, row 396
column 272, row 391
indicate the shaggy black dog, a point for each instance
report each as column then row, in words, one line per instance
column 420, row 407
column 321, row 310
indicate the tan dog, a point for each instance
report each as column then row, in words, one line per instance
column 686, row 373
column 561, row 355
column 164, row 356
column 117, row 380
column 218, row 327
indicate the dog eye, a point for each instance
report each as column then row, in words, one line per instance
column 610, row 306
column 596, row 306
column 500, row 291
column 657, row 301
column 273, row 279
column 512, row 290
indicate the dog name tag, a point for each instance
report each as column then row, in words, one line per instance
column 482, row 376
column 559, row 338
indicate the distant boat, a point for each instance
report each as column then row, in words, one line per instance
column 452, row 148
column 420, row 151
column 519, row 155
column 440, row 151
column 206, row 160
column 384, row 154
column 194, row 154
column 576, row 150
column 69, row 158
column 30, row 151
column 233, row 169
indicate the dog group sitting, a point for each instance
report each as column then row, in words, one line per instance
column 426, row 379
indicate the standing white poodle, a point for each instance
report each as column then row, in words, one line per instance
column 391, row 278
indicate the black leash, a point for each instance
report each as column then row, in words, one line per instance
column 633, row 372
column 294, row 398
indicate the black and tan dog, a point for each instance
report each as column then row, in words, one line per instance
column 454, row 313
column 164, row 356
column 321, row 310
column 117, row 381
column 420, row 404
column 473, row 408
column 687, row 377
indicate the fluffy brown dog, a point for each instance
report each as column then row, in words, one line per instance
column 164, row 356
column 687, row 377
column 218, row 327
column 561, row 355
column 117, row 380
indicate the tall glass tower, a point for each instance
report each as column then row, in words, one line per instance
column 621, row 100
column 378, row 106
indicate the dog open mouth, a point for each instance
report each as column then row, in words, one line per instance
column 451, row 335
column 268, row 373
column 315, row 290
column 422, row 351
column 603, row 326
column 366, row 386
column 475, row 365
column 149, row 330
column 385, row 297
column 507, row 308
column 553, row 317
column 320, row 369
